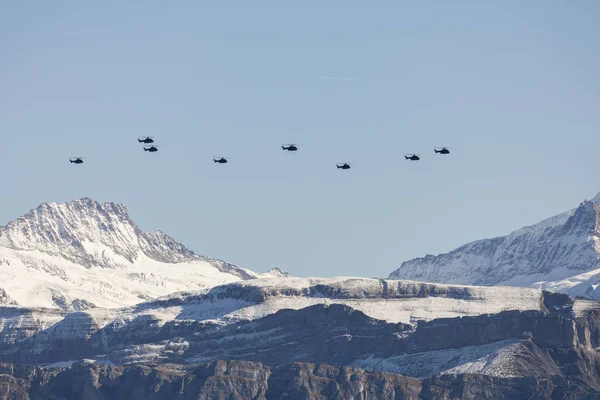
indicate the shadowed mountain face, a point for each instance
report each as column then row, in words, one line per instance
column 316, row 352
column 511, row 355
column 218, row 380
column 319, row 333
column 507, row 344
column 559, row 254
column 248, row 380
column 306, row 314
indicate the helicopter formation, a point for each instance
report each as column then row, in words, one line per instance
column 148, row 140
column 286, row 147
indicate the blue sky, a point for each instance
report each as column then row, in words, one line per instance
column 512, row 87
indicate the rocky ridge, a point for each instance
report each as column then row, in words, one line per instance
column 84, row 254
column 560, row 254
column 320, row 352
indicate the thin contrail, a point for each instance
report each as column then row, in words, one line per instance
column 335, row 78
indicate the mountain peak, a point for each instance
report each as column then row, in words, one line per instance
column 276, row 273
column 561, row 253
column 44, row 255
column 84, row 207
column 87, row 232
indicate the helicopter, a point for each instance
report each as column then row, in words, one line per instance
column 343, row 166
column 289, row 147
column 147, row 140
column 151, row 149
column 77, row 160
column 221, row 160
column 441, row 150
column 412, row 157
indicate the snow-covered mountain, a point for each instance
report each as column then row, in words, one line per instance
column 275, row 273
column 84, row 292
column 36, row 333
column 388, row 300
column 560, row 254
column 83, row 254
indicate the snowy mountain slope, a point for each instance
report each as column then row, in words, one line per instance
column 391, row 301
column 83, row 254
column 561, row 253
column 388, row 300
column 507, row 359
column 552, row 336
column 334, row 333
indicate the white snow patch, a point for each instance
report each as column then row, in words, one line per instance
column 491, row 359
column 35, row 279
column 361, row 295
column 60, row 364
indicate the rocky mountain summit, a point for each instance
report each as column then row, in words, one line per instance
column 84, row 254
column 560, row 254
column 249, row 380
column 91, row 234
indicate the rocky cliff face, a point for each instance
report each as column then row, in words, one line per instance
column 335, row 334
column 560, row 254
column 248, row 380
column 315, row 352
column 341, row 311
column 218, row 380
column 92, row 234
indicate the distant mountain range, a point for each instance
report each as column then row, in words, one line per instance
column 310, row 339
column 244, row 317
column 560, row 254
column 92, row 307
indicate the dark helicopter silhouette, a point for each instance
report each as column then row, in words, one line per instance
column 442, row 150
column 77, row 160
column 151, row 149
column 289, row 147
column 147, row 140
column 412, row 157
column 343, row 166
column 221, row 160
